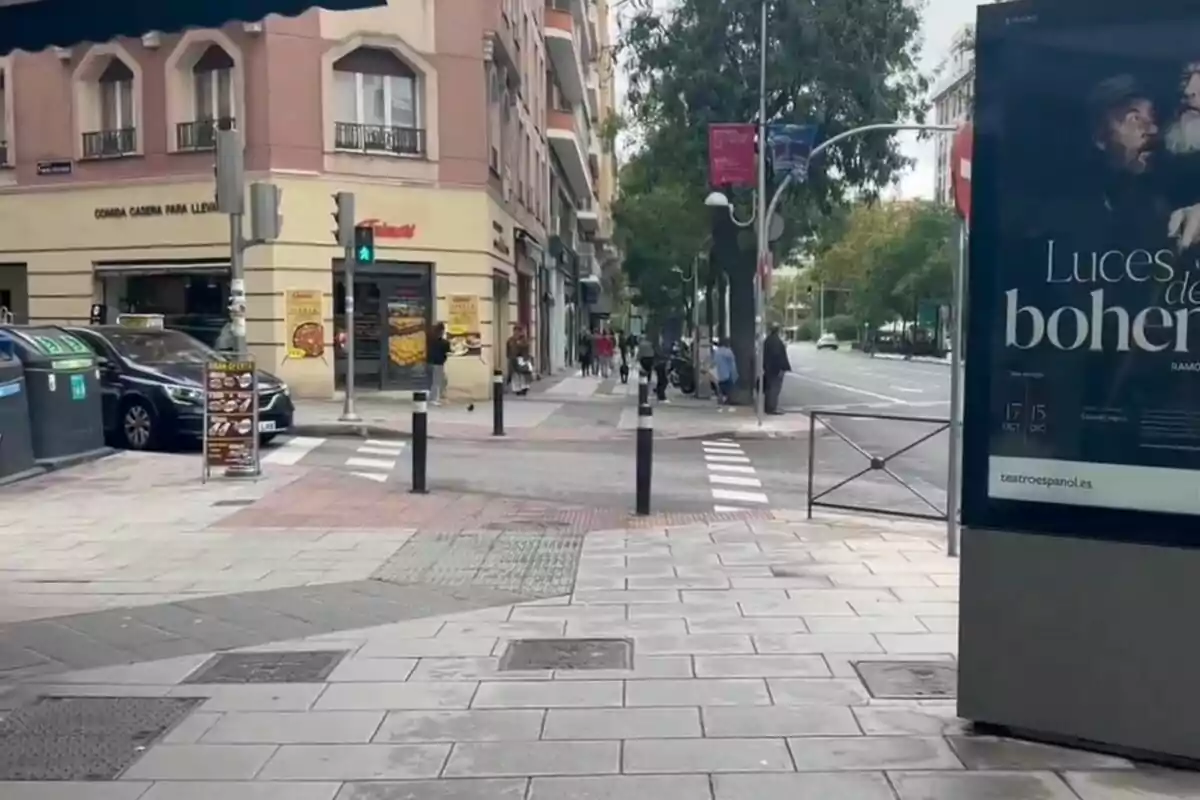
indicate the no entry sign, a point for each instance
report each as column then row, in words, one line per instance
column 960, row 169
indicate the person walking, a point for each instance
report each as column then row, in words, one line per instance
column 725, row 370
column 604, row 353
column 586, row 352
column 437, row 352
column 775, row 366
column 645, row 356
column 520, row 369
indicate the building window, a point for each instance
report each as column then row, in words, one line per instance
column 212, row 101
column 376, row 99
column 118, row 129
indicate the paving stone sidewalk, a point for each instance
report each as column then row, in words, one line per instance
column 748, row 644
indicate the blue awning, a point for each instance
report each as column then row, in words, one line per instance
column 34, row 25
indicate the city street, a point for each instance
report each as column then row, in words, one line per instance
column 849, row 382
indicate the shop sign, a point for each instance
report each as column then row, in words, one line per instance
column 384, row 230
column 156, row 210
column 230, row 416
column 304, row 319
column 462, row 326
column 500, row 240
column 54, row 167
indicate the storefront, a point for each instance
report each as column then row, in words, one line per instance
column 162, row 248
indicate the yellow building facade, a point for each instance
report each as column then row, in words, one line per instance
column 441, row 255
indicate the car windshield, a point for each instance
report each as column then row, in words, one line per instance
column 161, row 347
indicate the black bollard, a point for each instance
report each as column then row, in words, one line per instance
column 497, row 403
column 645, row 457
column 643, row 387
column 420, row 441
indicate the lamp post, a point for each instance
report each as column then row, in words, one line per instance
column 719, row 200
column 693, row 276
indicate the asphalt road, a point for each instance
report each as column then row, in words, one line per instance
column 847, row 383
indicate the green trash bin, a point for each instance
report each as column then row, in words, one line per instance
column 63, row 390
column 16, row 445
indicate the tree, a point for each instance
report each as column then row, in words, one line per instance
column 888, row 257
column 836, row 63
column 789, row 300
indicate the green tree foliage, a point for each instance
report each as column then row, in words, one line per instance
column 788, row 291
column 837, row 63
column 888, row 257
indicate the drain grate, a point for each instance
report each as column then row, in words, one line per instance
column 524, row 654
column 312, row 666
column 233, row 503
column 84, row 738
column 905, row 680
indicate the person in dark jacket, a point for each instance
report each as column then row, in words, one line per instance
column 437, row 351
column 775, row 366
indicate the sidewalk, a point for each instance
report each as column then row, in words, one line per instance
column 741, row 660
column 569, row 408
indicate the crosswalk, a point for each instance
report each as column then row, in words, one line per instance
column 372, row 459
column 731, row 477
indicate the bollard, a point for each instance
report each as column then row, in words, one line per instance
column 497, row 403
column 420, row 441
column 645, row 457
column 643, row 387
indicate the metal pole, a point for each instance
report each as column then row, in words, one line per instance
column 953, row 472
column 420, row 441
column 645, row 458
column 497, row 403
column 821, row 309
column 812, row 457
column 348, row 413
column 763, row 220
column 237, row 285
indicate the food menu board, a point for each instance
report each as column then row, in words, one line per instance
column 230, row 415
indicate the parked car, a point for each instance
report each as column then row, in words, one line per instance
column 828, row 341
column 152, row 382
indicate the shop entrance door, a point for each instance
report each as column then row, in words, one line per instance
column 392, row 315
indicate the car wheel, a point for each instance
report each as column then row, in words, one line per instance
column 267, row 438
column 138, row 426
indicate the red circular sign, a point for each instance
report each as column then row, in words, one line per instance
column 960, row 169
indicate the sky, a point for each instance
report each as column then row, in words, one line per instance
column 941, row 19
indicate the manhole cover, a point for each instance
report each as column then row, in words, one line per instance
column 84, row 738
column 233, row 503
column 900, row 680
column 568, row 654
column 274, row 667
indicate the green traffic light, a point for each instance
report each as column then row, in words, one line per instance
column 364, row 255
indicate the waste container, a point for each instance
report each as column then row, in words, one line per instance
column 63, row 391
column 16, row 444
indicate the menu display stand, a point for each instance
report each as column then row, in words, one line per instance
column 231, row 420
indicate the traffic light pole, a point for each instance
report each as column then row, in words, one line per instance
column 237, row 285
column 348, row 412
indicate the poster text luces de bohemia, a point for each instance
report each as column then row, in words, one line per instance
column 1095, row 333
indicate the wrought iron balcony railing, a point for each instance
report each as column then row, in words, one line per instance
column 201, row 134
column 110, row 144
column 379, row 139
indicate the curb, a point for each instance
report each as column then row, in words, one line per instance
column 348, row 430
column 47, row 466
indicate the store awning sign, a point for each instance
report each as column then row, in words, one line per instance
column 384, row 230
column 35, row 26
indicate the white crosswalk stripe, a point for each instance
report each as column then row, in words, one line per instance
column 376, row 458
column 291, row 451
column 731, row 477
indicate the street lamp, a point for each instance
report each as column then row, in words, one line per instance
column 719, row 200
column 693, row 276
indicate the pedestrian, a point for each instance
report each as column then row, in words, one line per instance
column 775, row 366
column 623, row 344
column 604, row 353
column 662, row 360
column 519, row 367
column 585, row 353
column 645, row 356
column 437, row 352
column 726, row 371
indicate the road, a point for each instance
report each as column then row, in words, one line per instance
column 849, row 382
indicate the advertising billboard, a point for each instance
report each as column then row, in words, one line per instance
column 731, row 158
column 1083, row 356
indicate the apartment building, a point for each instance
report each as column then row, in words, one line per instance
column 435, row 113
column 952, row 99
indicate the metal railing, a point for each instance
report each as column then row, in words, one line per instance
column 379, row 139
column 110, row 144
column 201, row 134
column 875, row 463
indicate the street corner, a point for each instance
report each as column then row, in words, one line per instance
column 351, row 430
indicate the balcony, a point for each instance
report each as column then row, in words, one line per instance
column 110, row 144
column 587, row 216
column 570, row 140
column 193, row 137
column 563, row 45
column 379, row 139
column 593, row 91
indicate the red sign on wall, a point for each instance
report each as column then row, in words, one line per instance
column 385, row 231
column 731, row 159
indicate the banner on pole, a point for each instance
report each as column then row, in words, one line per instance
column 790, row 148
column 731, row 160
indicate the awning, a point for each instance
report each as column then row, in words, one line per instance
column 34, row 25
column 119, row 268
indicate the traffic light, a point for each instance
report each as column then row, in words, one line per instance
column 266, row 212
column 343, row 219
column 364, row 244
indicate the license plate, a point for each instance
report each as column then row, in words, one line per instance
column 266, row 426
